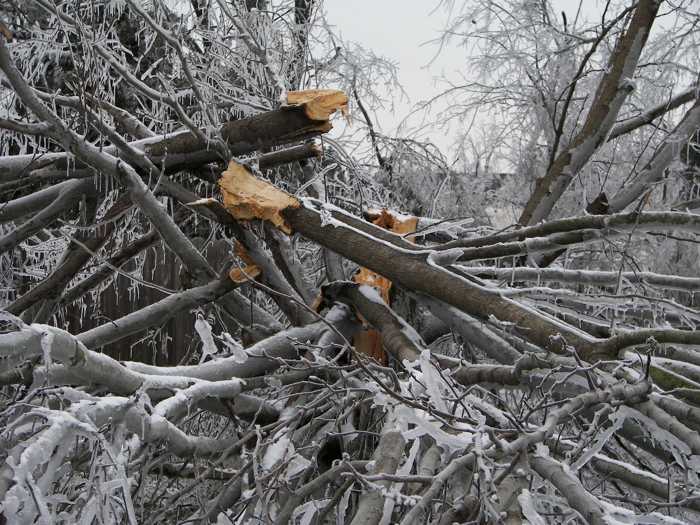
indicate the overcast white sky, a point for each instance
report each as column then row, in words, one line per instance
column 400, row 30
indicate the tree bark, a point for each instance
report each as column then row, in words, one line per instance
column 610, row 96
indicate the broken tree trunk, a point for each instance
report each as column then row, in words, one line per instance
column 429, row 272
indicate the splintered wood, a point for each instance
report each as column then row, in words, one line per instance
column 246, row 197
column 8, row 34
column 369, row 341
column 395, row 222
column 319, row 104
column 247, row 272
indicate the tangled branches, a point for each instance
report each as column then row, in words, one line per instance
column 273, row 343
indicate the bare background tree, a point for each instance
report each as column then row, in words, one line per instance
column 214, row 311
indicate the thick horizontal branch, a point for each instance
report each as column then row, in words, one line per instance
column 156, row 313
column 659, row 222
column 22, row 206
column 648, row 483
column 288, row 155
column 19, row 170
column 652, row 114
column 83, row 365
column 67, row 197
column 591, row 277
column 70, row 362
column 263, row 357
column 273, row 128
column 417, row 271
